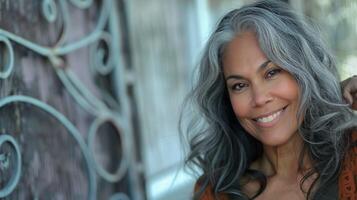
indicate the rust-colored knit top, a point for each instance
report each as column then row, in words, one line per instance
column 348, row 177
column 347, row 180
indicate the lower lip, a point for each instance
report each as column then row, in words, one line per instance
column 272, row 123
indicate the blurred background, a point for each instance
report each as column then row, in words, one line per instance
column 91, row 91
column 185, row 27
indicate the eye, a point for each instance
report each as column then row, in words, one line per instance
column 238, row 87
column 272, row 73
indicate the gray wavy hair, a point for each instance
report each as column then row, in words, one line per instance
column 221, row 148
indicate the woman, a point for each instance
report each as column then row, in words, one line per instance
column 271, row 123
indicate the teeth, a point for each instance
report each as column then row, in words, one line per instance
column 269, row 118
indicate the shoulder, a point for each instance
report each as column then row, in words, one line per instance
column 202, row 192
column 205, row 192
column 348, row 175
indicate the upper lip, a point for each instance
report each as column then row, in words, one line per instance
column 268, row 114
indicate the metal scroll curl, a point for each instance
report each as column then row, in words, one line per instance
column 102, row 55
column 49, row 10
column 8, row 57
column 119, row 173
column 68, row 125
column 11, row 185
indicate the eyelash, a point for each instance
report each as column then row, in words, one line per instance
column 234, row 87
column 275, row 71
column 269, row 75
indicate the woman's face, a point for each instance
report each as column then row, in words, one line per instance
column 264, row 97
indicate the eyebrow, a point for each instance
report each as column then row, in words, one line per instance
column 261, row 67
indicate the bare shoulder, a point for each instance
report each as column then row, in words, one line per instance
column 250, row 187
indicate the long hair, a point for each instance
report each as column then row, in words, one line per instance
column 218, row 144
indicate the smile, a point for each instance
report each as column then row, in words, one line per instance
column 270, row 117
column 269, row 120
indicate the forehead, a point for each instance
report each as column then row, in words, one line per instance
column 243, row 53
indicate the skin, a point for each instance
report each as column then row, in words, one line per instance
column 349, row 87
column 258, row 88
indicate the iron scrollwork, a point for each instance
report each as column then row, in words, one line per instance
column 103, row 63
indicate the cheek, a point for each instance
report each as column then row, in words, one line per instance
column 242, row 111
column 288, row 89
column 290, row 92
column 240, row 105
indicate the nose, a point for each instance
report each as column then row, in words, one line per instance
column 261, row 96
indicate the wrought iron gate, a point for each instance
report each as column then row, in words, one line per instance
column 65, row 114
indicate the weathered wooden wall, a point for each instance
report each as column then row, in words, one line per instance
column 53, row 163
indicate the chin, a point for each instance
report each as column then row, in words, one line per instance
column 276, row 141
column 273, row 143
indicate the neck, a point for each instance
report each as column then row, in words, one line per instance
column 283, row 161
